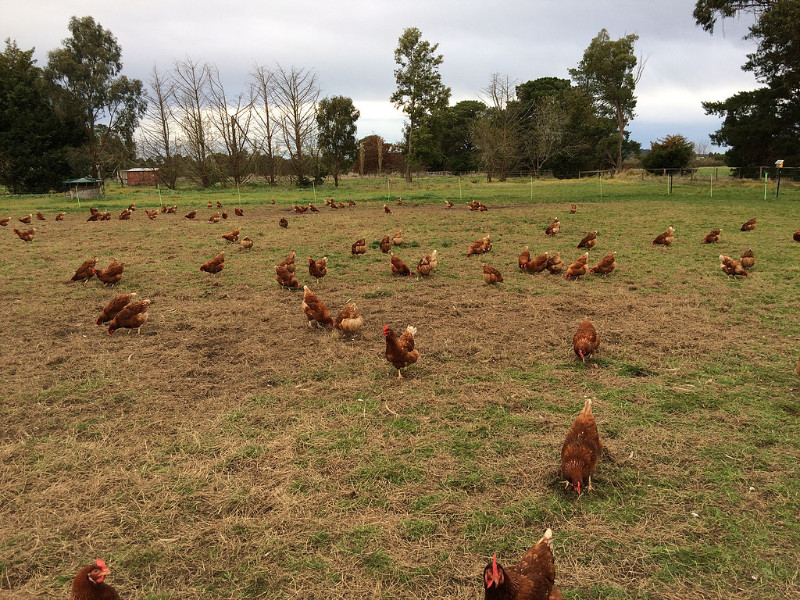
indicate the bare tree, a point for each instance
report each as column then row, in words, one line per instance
column 265, row 124
column 191, row 110
column 545, row 132
column 497, row 133
column 296, row 93
column 158, row 140
column 232, row 122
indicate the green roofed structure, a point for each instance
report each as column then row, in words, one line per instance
column 84, row 187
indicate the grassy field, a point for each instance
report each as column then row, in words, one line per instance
column 231, row 452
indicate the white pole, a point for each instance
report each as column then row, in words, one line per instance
column 531, row 188
column 460, row 197
column 712, row 186
column 765, row 186
column 601, row 185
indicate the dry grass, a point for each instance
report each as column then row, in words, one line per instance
column 229, row 451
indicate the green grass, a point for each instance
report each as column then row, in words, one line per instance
column 230, row 451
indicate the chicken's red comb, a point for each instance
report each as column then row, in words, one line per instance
column 100, row 563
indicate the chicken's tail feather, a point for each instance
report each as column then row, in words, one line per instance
column 412, row 329
column 547, row 538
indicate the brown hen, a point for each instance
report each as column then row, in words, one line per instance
column 530, row 579
column 581, row 450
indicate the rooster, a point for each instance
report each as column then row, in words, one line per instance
column 112, row 308
column 749, row 225
column 400, row 352
column 313, row 208
column 386, row 244
column 360, row 247
column 315, row 310
column 665, row 239
column 585, row 341
column 748, row 260
column 224, row 214
column 40, row 216
column 285, row 277
column 397, row 238
column 606, row 265
column 796, row 236
column 283, row 222
column 112, row 274
column 191, row 214
column 554, row 229
column 27, row 235
column 351, row 203
column 238, row 212
column 246, row 243
column 318, row 268
column 214, row 265
column 538, row 264
column 349, row 320
column 581, row 450
column 125, row 215
column 60, row 216
column 588, row 241
column 89, row 583
column 86, row 271
column 387, row 210
column 26, row 220
column 712, row 237
column 219, row 204
column 448, row 204
column 730, row 266
column 427, row 263
column 555, row 264
column 573, row 209
column 4, row 221
column 214, row 218
column 132, row 316
column 231, row 236
column 491, row 275
column 398, row 267
column 151, row 214
column 578, row 268
column 531, row 579
column 132, row 207
column 524, row 258
column 172, row 209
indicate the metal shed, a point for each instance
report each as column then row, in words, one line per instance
column 84, row 187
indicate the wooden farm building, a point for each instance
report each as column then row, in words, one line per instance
column 142, row 176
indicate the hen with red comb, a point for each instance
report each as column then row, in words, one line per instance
column 89, row 583
column 531, row 579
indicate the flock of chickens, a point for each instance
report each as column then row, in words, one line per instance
column 533, row 577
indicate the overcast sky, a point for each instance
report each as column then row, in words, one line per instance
column 350, row 44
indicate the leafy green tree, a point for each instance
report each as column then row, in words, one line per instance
column 34, row 139
column 458, row 148
column 86, row 69
column 672, row 152
column 761, row 125
column 420, row 92
column 336, row 134
column 609, row 71
column 708, row 12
